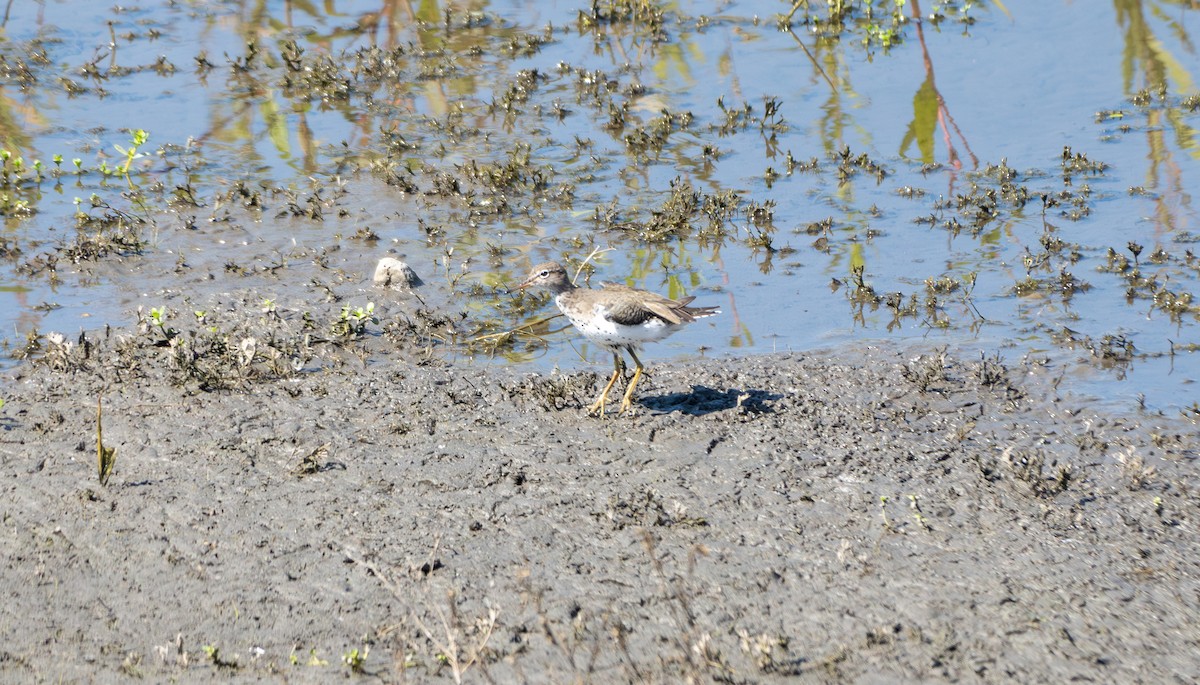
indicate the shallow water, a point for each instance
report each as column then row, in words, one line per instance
column 1018, row 82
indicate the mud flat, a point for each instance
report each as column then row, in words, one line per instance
column 862, row 515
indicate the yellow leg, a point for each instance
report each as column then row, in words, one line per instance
column 597, row 407
column 627, row 402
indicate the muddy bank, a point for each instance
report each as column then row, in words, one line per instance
column 872, row 515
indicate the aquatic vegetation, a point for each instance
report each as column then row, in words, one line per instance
column 474, row 143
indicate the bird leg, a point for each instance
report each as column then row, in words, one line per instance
column 627, row 402
column 597, row 407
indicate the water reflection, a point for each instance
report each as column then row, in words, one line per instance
column 931, row 113
column 866, row 148
column 1154, row 78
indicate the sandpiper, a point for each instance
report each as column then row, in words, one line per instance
column 615, row 317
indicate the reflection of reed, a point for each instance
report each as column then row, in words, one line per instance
column 394, row 14
column 928, row 95
column 811, row 58
column 1147, row 58
column 282, row 115
column 29, row 318
column 14, row 135
column 8, row 9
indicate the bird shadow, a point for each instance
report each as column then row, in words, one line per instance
column 703, row 400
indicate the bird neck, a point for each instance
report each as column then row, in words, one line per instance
column 560, row 289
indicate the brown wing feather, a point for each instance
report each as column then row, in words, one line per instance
column 640, row 306
column 629, row 313
column 666, row 310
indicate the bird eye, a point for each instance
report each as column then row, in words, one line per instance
column 545, row 272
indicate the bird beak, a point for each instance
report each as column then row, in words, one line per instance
column 521, row 286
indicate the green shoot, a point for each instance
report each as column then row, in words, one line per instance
column 137, row 140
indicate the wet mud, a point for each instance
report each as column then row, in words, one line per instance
column 856, row 515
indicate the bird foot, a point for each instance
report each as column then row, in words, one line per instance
column 627, row 398
column 597, row 408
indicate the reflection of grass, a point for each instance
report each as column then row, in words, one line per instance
column 14, row 132
column 1151, row 72
column 1146, row 55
